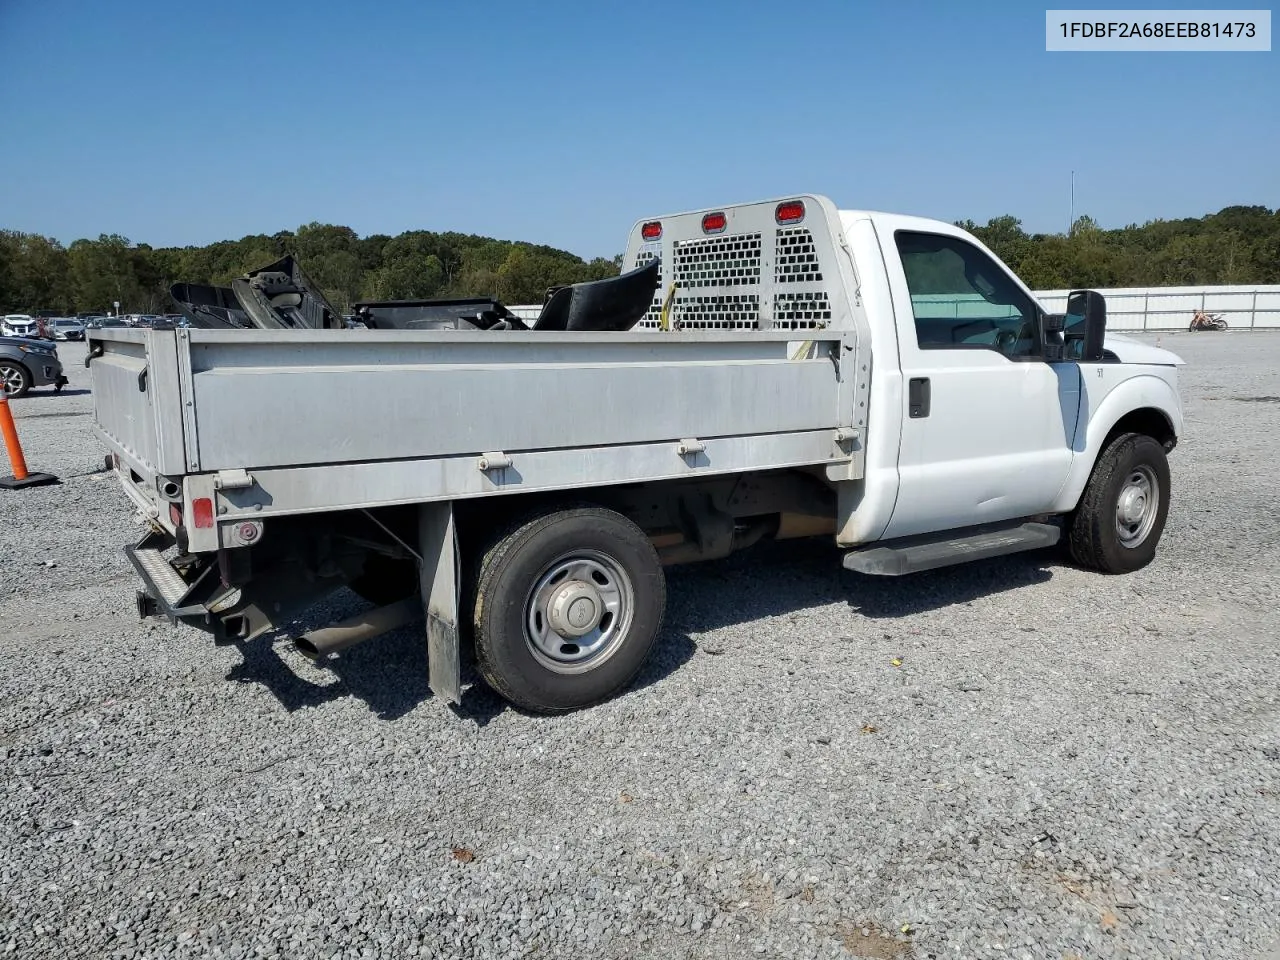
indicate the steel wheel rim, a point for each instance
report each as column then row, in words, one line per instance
column 12, row 380
column 1137, row 506
column 583, row 581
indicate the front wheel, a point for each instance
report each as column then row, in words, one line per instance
column 14, row 379
column 1120, row 518
column 568, row 604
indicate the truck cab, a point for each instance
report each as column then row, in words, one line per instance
column 981, row 407
column 994, row 418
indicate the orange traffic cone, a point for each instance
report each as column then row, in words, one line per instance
column 21, row 477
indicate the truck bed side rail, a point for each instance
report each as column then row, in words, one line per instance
column 266, row 399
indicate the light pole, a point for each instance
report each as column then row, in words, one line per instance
column 1071, row 216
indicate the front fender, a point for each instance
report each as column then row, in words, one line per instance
column 1102, row 408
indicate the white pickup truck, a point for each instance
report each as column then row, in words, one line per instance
column 791, row 370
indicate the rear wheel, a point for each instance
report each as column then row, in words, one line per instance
column 1120, row 518
column 568, row 604
column 15, row 379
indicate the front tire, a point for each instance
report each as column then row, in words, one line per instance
column 1122, row 514
column 568, row 604
column 15, row 379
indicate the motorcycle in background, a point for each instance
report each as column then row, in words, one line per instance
column 1207, row 321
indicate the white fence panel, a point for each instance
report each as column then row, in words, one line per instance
column 1171, row 308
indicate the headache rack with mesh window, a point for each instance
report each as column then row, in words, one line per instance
column 763, row 266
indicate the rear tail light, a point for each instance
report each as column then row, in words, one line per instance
column 651, row 230
column 202, row 512
column 792, row 211
column 175, row 514
column 714, row 223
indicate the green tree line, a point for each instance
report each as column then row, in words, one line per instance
column 1237, row 245
column 39, row 273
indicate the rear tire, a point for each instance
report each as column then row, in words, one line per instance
column 15, row 379
column 1122, row 513
column 568, row 604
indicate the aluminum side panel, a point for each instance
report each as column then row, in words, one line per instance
column 312, row 402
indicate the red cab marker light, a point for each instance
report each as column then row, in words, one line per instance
column 792, row 211
column 202, row 512
column 714, row 223
column 651, row 230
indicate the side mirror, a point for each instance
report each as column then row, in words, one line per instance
column 1086, row 325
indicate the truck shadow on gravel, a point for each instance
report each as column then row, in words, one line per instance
column 55, row 394
column 788, row 577
column 390, row 673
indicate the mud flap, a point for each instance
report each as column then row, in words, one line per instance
column 439, row 571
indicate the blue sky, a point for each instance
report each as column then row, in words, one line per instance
column 563, row 122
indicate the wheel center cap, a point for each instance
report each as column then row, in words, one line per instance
column 575, row 609
column 1132, row 505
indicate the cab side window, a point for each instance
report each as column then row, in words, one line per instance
column 962, row 299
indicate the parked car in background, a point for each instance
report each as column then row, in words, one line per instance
column 139, row 319
column 27, row 363
column 170, row 321
column 67, row 328
column 19, row 325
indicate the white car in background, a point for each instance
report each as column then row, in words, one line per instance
column 19, row 325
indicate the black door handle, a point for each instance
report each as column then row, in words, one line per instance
column 918, row 397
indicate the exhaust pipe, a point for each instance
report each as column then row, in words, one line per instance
column 363, row 626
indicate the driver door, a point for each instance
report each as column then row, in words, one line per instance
column 987, row 424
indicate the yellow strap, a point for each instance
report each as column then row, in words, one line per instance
column 803, row 352
column 664, row 318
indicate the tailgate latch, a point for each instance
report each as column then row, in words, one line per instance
column 232, row 480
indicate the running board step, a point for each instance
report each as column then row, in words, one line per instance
column 893, row 558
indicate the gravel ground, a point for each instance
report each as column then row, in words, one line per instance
column 1012, row 759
